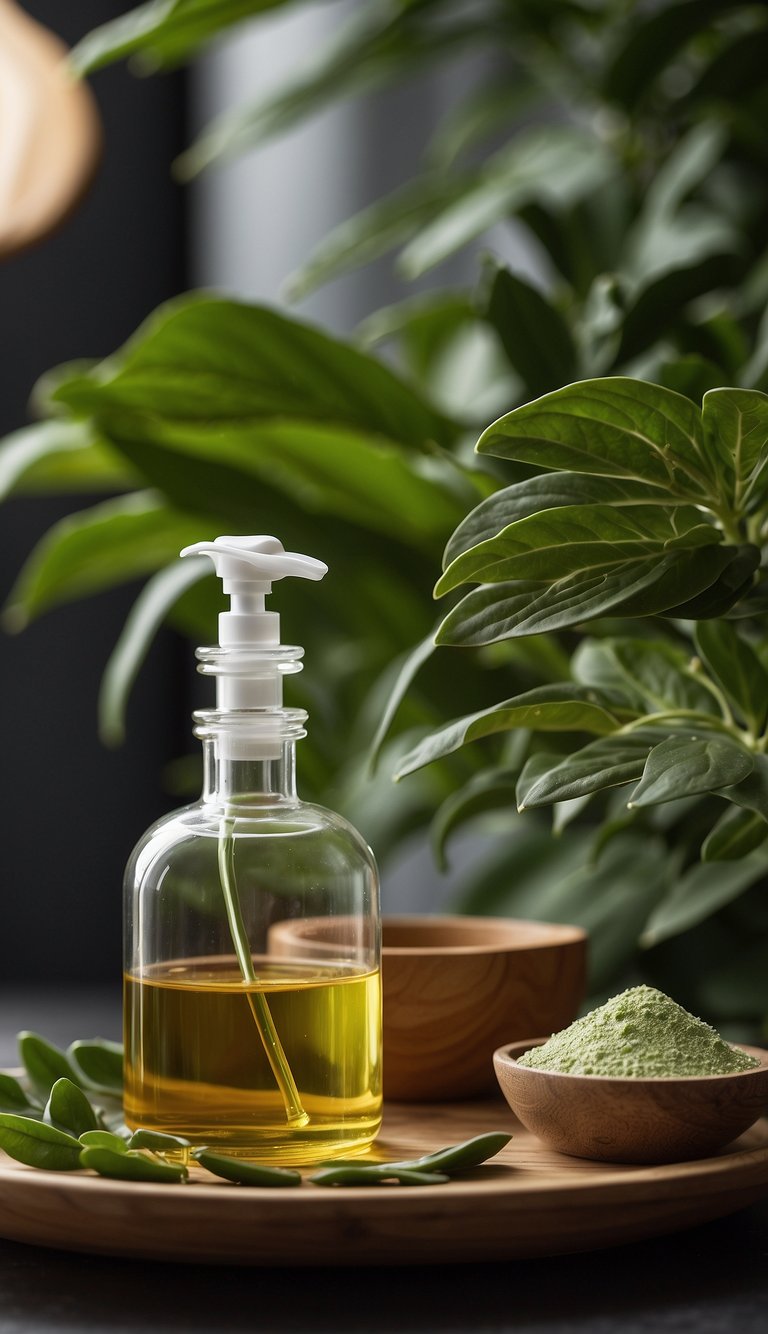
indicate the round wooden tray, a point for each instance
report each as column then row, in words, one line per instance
column 528, row 1201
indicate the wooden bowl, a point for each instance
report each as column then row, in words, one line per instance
column 632, row 1120
column 455, row 987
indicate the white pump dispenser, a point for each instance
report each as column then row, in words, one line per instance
column 249, row 635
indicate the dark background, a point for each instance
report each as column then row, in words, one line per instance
column 72, row 810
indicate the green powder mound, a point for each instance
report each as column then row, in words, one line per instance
column 638, row 1034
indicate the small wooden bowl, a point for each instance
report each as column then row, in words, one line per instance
column 454, row 987
column 632, row 1120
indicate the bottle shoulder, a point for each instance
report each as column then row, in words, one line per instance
column 308, row 824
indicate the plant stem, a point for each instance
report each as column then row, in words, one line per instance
column 262, row 1015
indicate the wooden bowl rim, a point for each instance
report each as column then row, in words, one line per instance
column 504, row 1060
column 544, row 935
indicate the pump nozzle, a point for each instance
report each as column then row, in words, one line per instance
column 257, row 561
column 250, row 662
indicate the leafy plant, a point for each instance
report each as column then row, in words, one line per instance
column 613, row 528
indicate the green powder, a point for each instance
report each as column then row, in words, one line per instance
column 638, row 1034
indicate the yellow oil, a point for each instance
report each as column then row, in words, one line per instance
column 195, row 1063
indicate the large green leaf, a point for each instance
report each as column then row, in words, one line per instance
column 635, row 588
column 96, row 548
column 738, row 670
column 549, row 490
column 552, row 708
column 322, row 470
column 703, row 890
column 551, row 165
column 686, row 766
column 608, row 762
column 164, row 32
column 579, row 539
column 615, row 427
column 406, row 669
column 205, row 360
column 533, row 333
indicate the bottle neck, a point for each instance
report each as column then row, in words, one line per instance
column 233, row 780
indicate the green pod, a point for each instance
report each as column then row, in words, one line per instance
column 461, row 1157
column 244, row 1173
column 376, row 1175
column 128, row 1166
column 38, row 1144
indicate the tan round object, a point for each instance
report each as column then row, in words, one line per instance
column 51, row 136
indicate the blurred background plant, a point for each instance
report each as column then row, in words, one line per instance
column 617, row 151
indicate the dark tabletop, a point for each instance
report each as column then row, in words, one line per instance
column 709, row 1279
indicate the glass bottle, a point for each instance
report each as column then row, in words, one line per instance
column 252, row 940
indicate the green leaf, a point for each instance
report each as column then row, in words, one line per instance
column 164, row 32
column 246, row 1173
column 43, row 1062
column 69, row 1108
column 735, row 666
column 13, row 1095
column 701, row 892
column 736, row 834
column 552, row 490
column 659, row 675
column 148, row 613
column 615, row 427
column 579, row 539
column 552, row 708
column 608, row 762
column 62, row 454
column 636, row 588
column 157, row 1141
column 202, row 361
column 100, row 1061
column 491, row 790
column 408, row 668
column 684, row 766
column 375, row 230
column 554, row 167
column 38, row 1144
column 533, row 333
column 126, row 1166
column 736, row 430
column 752, row 792
column 654, row 41
column 103, row 1139
column 378, row 42
column 96, row 548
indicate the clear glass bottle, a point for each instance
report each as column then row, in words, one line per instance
column 252, row 946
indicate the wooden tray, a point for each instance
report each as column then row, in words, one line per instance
column 529, row 1201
